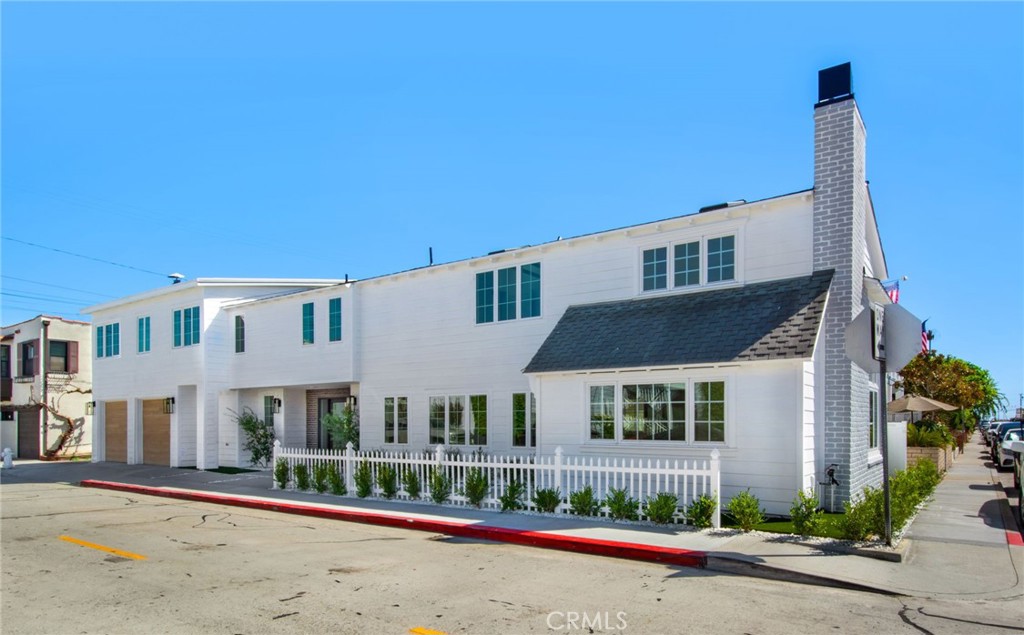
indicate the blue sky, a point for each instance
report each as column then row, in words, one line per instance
column 324, row 139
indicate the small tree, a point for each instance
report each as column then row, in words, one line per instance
column 259, row 437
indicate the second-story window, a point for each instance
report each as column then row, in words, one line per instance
column 108, row 340
column 517, row 293
column 186, row 327
column 722, row 259
column 239, row 334
column 686, row 267
column 144, row 335
column 334, row 320
column 27, row 361
column 655, row 268
column 62, row 356
column 307, row 323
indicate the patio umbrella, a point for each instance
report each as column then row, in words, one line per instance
column 915, row 403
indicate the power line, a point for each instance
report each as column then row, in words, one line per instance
column 57, row 286
column 45, row 298
column 71, row 253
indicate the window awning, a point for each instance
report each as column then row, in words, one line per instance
column 767, row 320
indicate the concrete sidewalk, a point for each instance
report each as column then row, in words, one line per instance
column 963, row 544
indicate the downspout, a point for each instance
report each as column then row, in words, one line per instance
column 44, row 345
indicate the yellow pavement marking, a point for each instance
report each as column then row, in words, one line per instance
column 93, row 545
column 419, row 630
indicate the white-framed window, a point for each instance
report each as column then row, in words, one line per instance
column 108, row 340
column 187, row 327
column 239, row 333
column 396, row 420
column 144, row 334
column 524, row 420
column 873, row 432
column 690, row 411
column 458, row 420
column 709, row 260
column 508, row 293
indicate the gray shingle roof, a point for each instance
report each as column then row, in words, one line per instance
column 766, row 320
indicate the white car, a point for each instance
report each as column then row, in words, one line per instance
column 1004, row 452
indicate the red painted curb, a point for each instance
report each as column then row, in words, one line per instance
column 592, row 546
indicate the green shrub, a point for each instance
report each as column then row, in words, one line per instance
column 476, row 486
column 301, row 477
column 662, row 508
column 745, row 508
column 440, row 486
column 281, row 473
column 621, row 506
column 512, row 498
column 364, row 479
column 335, row 483
column 929, row 434
column 584, row 503
column 907, row 489
column 547, row 499
column 387, row 480
column 259, row 437
column 807, row 518
column 701, row 511
column 411, row 483
column 320, row 471
column 858, row 521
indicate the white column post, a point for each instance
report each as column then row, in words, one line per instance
column 350, row 459
column 273, row 463
column 557, row 474
column 716, row 487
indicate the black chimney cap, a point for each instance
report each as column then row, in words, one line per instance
column 834, row 84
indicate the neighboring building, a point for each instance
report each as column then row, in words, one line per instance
column 718, row 329
column 46, row 360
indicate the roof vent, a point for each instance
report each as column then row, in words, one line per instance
column 711, row 208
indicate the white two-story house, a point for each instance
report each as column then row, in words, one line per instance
column 718, row 329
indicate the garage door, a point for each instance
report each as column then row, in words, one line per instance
column 115, row 422
column 28, row 433
column 156, row 433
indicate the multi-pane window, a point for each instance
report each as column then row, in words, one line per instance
column 687, row 264
column 654, row 412
column 658, row 412
column 334, row 319
column 268, row 410
column 307, row 323
column 5, row 361
column 143, row 335
column 108, row 340
column 655, row 268
column 451, row 419
column 239, row 334
column 28, row 365
column 62, row 357
column 721, row 259
column 186, row 327
column 503, row 293
column 484, row 297
column 524, row 420
column 529, row 305
column 709, row 411
column 872, row 419
column 506, row 294
column 602, row 412
column 396, row 420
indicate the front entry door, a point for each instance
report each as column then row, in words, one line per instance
column 334, row 405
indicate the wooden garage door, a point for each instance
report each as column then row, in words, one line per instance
column 156, row 433
column 28, row 433
column 115, row 421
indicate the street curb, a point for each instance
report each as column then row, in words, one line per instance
column 577, row 544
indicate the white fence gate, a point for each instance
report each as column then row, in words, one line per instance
column 641, row 479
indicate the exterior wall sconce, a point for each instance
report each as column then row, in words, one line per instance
column 277, row 405
column 169, row 406
column 350, row 402
column 90, row 407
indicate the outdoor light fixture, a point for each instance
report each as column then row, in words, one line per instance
column 277, row 405
column 90, row 407
column 350, row 401
column 169, row 406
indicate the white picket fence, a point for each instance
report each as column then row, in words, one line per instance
column 641, row 478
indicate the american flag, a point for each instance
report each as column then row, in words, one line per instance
column 892, row 288
column 924, row 337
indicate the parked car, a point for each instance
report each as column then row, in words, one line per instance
column 1018, row 468
column 1004, row 453
column 996, row 432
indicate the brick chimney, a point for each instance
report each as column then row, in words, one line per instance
column 840, row 204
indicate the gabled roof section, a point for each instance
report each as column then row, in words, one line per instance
column 762, row 321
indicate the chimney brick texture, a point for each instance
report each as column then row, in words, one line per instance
column 840, row 210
